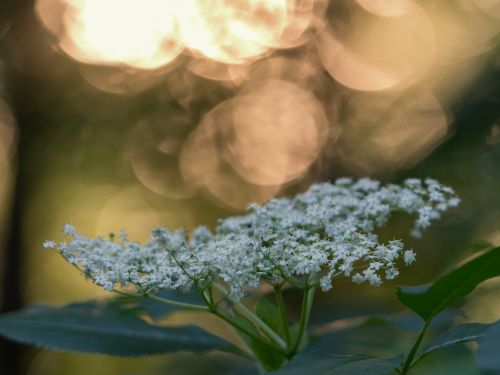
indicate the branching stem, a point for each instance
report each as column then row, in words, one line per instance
column 183, row 305
column 281, row 304
column 246, row 331
column 245, row 311
column 304, row 317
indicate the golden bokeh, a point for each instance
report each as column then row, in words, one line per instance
column 231, row 31
column 379, row 53
column 140, row 34
column 214, row 70
column 153, row 150
column 203, row 163
column 269, row 93
column 132, row 201
column 152, row 33
column 392, row 132
column 266, row 136
column 277, row 131
column 387, row 8
column 490, row 7
column 122, row 80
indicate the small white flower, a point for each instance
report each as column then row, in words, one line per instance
column 391, row 273
column 123, row 235
column 69, row 229
column 454, row 202
column 49, row 244
column 409, row 257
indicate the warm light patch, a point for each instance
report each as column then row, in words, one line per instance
column 490, row 7
column 278, row 130
column 120, row 80
column 301, row 14
column 247, row 147
column 140, row 214
column 50, row 13
column 152, row 33
column 153, row 149
column 379, row 53
column 390, row 133
column 231, row 31
column 202, row 165
column 386, row 8
column 136, row 33
column 303, row 71
column 463, row 34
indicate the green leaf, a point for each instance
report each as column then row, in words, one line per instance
column 90, row 328
column 458, row 334
column 488, row 357
column 215, row 363
column 375, row 337
column 452, row 360
column 429, row 300
column 317, row 364
column 270, row 314
column 157, row 309
column 374, row 366
column 269, row 357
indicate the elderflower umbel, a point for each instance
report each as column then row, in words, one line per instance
column 328, row 230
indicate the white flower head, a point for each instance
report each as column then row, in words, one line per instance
column 329, row 231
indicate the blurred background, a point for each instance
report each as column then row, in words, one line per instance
column 130, row 114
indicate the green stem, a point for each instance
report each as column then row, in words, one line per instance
column 408, row 362
column 188, row 306
column 273, row 336
column 294, row 282
column 244, row 330
column 304, row 316
column 281, row 304
column 290, row 279
column 183, row 305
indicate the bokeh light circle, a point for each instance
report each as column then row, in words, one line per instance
column 379, row 53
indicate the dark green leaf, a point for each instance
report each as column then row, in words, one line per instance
column 413, row 323
column 209, row 364
column 88, row 327
column 375, row 337
column 452, row 360
column 488, row 356
column 373, row 366
column 428, row 301
column 458, row 334
column 317, row 364
column 157, row 309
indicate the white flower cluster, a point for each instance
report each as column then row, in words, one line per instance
column 327, row 231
